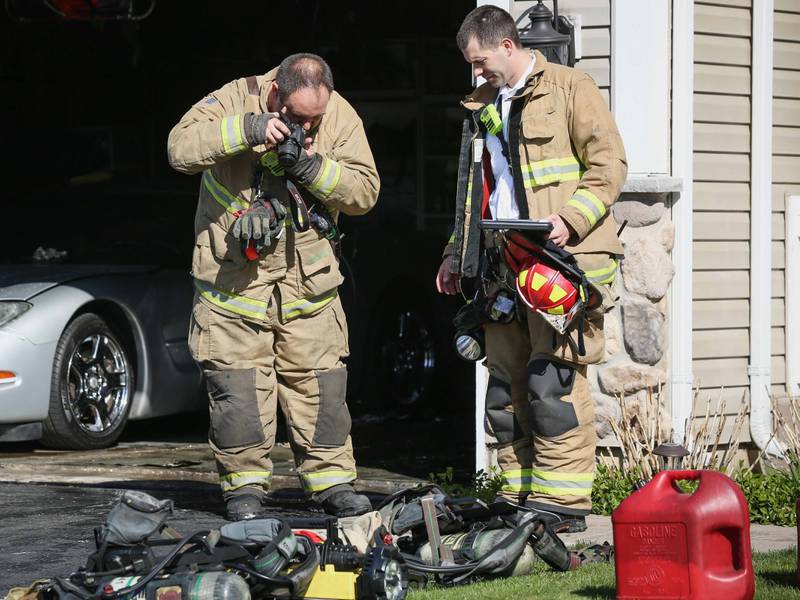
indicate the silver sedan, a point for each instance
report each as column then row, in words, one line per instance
column 84, row 349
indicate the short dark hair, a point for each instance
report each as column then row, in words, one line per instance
column 488, row 24
column 302, row 70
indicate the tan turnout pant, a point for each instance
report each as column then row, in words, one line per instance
column 251, row 367
column 539, row 409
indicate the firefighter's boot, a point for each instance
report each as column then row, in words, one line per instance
column 342, row 501
column 556, row 521
column 243, row 507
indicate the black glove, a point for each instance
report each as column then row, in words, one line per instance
column 256, row 226
column 306, row 167
column 255, row 127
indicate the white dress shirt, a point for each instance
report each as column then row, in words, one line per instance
column 501, row 201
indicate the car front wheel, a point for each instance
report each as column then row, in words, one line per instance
column 92, row 387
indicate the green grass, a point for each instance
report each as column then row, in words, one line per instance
column 775, row 576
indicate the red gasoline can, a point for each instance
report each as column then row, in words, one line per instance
column 669, row 544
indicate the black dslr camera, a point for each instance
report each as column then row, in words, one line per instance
column 290, row 148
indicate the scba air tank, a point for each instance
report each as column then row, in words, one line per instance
column 669, row 544
column 478, row 545
column 214, row 585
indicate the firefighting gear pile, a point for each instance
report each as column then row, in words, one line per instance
column 414, row 536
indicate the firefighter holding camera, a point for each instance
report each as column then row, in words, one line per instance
column 281, row 155
column 539, row 144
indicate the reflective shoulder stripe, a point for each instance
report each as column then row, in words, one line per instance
column 223, row 197
column 233, row 140
column 516, row 480
column 304, row 306
column 589, row 204
column 327, row 179
column 241, row 305
column 562, row 484
column 604, row 275
column 452, row 239
column 233, row 481
column 552, row 170
column 322, row 480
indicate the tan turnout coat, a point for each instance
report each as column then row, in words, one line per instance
column 210, row 139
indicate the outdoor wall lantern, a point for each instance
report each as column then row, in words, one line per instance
column 551, row 34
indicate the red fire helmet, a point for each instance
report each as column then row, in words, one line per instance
column 544, row 288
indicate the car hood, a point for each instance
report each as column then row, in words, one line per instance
column 23, row 282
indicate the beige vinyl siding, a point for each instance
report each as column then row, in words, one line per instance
column 595, row 36
column 785, row 165
column 721, row 219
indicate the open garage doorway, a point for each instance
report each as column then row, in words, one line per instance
column 90, row 103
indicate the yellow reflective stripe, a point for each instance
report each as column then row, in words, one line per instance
column 233, row 481
column 516, row 480
column 327, row 179
column 452, row 239
column 562, row 484
column 604, row 275
column 255, row 309
column 227, row 200
column 233, row 140
column 560, row 491
column 551, row 170
column 305, row 306
column 322, row 480
column 590, row 205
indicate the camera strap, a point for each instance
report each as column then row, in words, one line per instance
column 316, row 215
column 298, row 208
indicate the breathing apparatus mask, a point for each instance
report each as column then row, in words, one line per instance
column 469, row 339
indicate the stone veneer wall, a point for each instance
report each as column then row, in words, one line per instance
column 636, row 328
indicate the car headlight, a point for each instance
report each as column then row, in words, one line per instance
column 11, row 310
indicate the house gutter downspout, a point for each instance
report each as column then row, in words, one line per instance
column 761, row 229
column 680, row 378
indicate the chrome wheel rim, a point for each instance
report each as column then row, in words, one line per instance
column 409, row 357
column 98, row 384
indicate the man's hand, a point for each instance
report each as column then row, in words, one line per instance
column 267, row 129
column 561, row 231
column 307, row 166
column 447, row 282
column 259, row 224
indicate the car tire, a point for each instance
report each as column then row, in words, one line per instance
column 91, row 388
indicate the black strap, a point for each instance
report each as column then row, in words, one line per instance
column 461, row 196
column 252, row 85
column 297, row 208
column 219, row 555
column 498, row 103
column 471, row 265
column 514, row 119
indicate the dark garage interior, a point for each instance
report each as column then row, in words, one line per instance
column 89, row 102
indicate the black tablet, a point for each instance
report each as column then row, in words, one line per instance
column 518, row 224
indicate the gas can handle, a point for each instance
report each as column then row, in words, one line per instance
column 692, row 474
